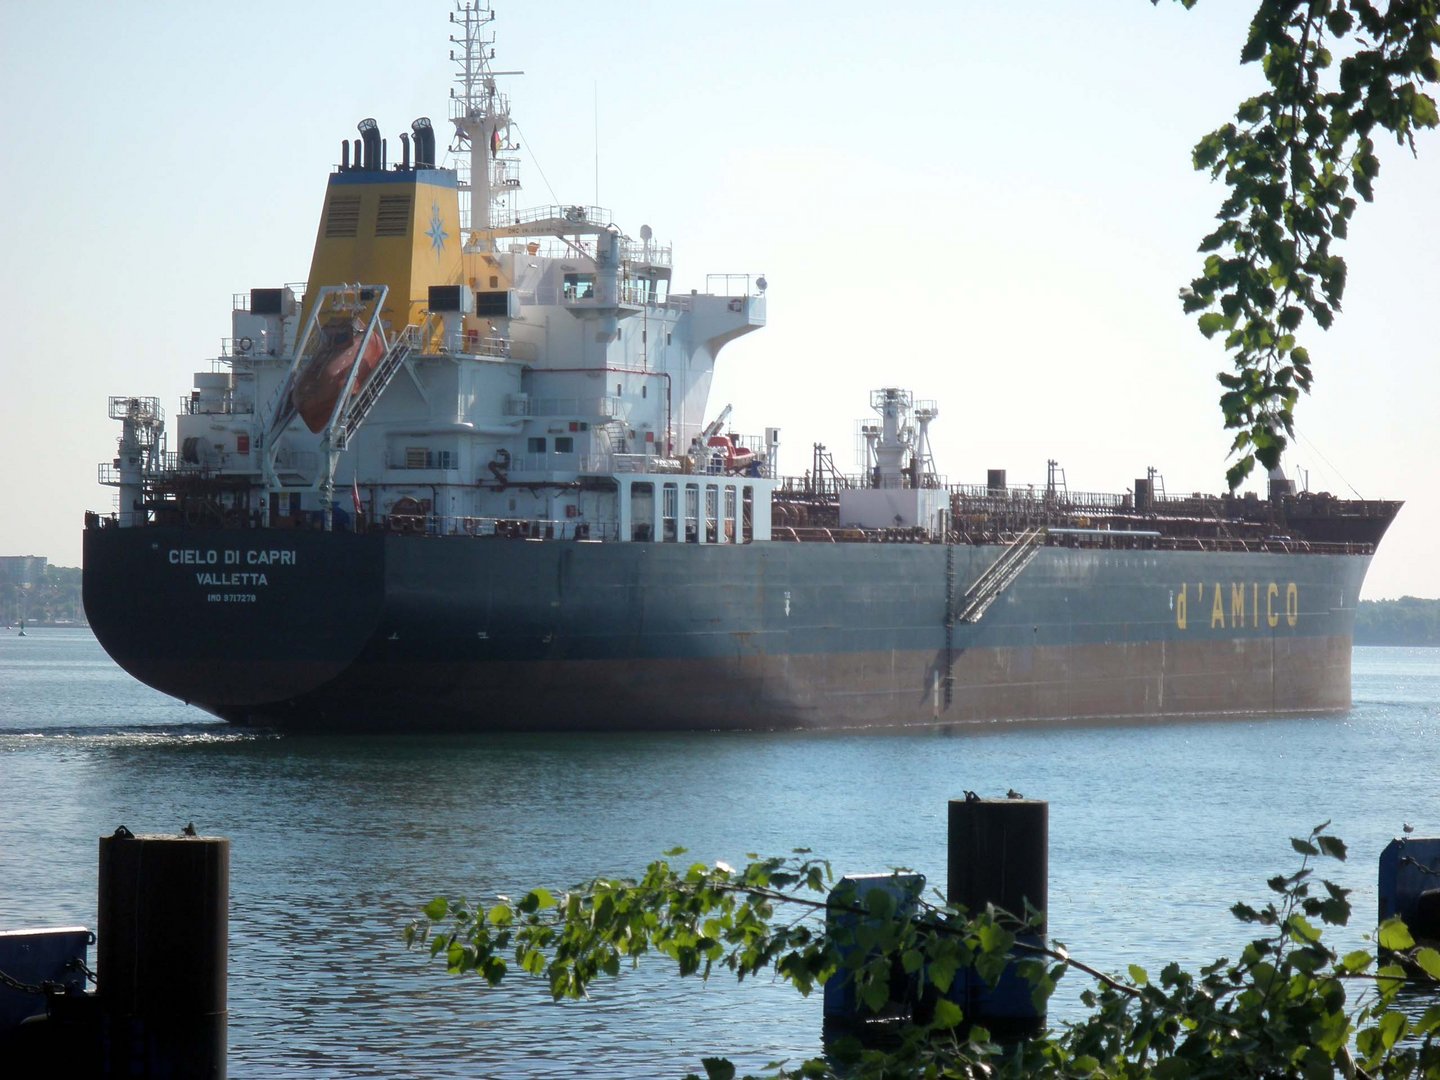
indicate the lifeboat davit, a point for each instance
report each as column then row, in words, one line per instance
column 319, row 387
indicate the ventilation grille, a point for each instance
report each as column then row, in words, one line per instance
column 393, row 217
column 342, row 216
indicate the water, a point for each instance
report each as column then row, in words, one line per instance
column 336, row 843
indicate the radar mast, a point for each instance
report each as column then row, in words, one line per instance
column 481, row 115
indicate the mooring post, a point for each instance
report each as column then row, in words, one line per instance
column 846, row 917
column 1408, row 874
column 162, row 949
column 999, row 853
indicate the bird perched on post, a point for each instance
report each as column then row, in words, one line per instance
column 189, row 830
column 1013, row 794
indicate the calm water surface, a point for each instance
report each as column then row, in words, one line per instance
column 336, row 843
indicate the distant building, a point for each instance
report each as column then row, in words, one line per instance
column 21, row 569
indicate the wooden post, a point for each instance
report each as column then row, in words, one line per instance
column 162, row 950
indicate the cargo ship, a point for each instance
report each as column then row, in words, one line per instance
column 466, row 476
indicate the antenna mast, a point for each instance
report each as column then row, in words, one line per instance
column 481, row 115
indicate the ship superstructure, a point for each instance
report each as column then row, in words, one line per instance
column 474, row 368
column 467, row 475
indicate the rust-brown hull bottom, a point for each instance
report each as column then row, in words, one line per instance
column 1065, row 684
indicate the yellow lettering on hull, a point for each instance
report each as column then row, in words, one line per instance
column 1180, row 602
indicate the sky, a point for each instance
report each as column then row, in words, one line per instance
column 991, row 205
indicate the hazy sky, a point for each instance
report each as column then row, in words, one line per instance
column 988, row 203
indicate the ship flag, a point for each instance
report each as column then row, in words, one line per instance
column 355, row 495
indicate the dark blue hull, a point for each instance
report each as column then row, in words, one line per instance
column 306, row 629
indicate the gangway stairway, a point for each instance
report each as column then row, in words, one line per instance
column 998, row 576
column 394, row 359
column 989, row 585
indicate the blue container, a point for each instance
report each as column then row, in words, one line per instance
column 36, row 957
column 1410, row 884
column 842, row 1005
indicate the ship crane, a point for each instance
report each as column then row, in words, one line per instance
column 713, row 428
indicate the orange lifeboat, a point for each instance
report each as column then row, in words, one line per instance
column 737, row 458
column 319, row 387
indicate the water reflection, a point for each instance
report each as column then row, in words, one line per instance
column 336, row 843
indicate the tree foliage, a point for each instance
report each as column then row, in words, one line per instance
column 1407, row 621
column 1294, row 160
column 1289, row 1005
column 52, row 596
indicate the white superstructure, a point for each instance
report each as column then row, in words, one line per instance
column 533, row 375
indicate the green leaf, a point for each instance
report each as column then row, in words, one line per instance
column 1330, row 1031
column 1356, row 961
column 1423, row 112
column 875, row 994
column 947, row 1015
column 436, row 909
column 879, row 903
column 1428, row 960
column 1211, row 323
column 1302, row 929
column 1428, row 1022
column 1139, row 976
column 1395, row 936
column 1330, row 845
column 1392, row 1026
column 500, row 915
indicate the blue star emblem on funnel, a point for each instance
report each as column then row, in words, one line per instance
column 436, row 232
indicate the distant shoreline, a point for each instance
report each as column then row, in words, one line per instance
column 1410, row 621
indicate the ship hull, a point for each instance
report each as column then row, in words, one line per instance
column 312, row 630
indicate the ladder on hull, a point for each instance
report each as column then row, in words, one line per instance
column 999, row 575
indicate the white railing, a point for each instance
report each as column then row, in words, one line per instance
column 550, row 462
column 608, row 407
column 731, row 284
column 501, row 528
column 202, row 407
column 646, row 253
column 576, row 214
